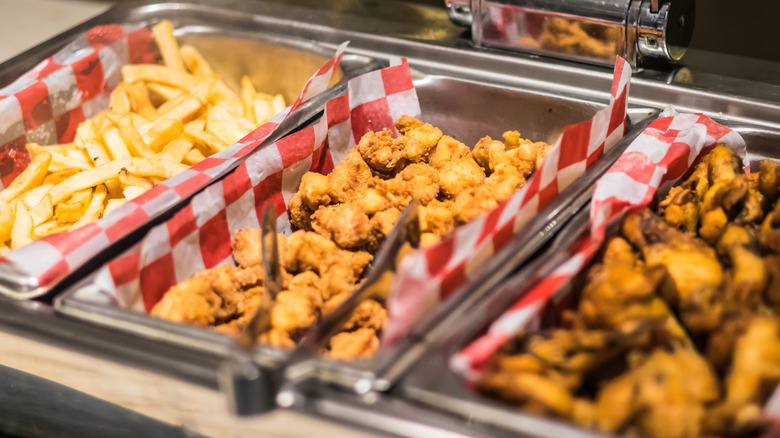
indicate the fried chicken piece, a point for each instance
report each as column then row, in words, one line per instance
column 745, row 281
column 247, row 306
column 621, row 291
column 680, row 208
column 436, row 218
column 694, row 273
column 300, row 215
column 664, row 397
column 420, row 138
column 770, row 230
column 753, row 204
column 417, row 181
column 527, row 388
column 373, row 200
column 305, row 251
column 728, row 188
column 459, row 176
column 296, row 309
column 769, row 179
column 772, row 296
column 368, row 314
column 345, row 224
column 350, row 178
column 209, row 297
column 278, row 338
column 519, row 153
column 755, row 372
column 314, row 190
column 382, row 224
column 447, row 150
column 383, row 153
column 247, row 247
column 358, row 344
column 472, row 203
column 341, row 271
column 504, row 181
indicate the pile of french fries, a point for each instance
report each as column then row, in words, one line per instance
column 161, row 120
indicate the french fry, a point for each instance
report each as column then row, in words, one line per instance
column 60, row 176
column 133, row 140
column 206, row 142
column 43, row 211
column 6, row 221
column 264, row 110
column 155, row 168
column 97, row 153
column 60, row 162
column 118, row 101
column 73, row 208
column 115, row 144
column 278, row 104
column 33, row 196
column 131, row 192
column 166, row 43
column 164, row 92
column 193, row 156
column 139, row 101
column 21, row 233
column 248, row 93
column 49, row 227
column 94, row 209
column 113, row 204
column 127, row 179
column 175, row 150
column 162, row 132
column 159, row 74
column 86, row 179
column 161, row 119
column 30, row 177
column 195, row 62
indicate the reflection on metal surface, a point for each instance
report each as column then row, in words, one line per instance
column 583, row 30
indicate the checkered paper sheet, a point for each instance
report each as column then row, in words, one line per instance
column 198, row 236
column 431, row 275
column 45, row 106
column 657, row 160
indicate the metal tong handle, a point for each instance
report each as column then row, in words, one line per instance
column 249, row 389
column 272, row 282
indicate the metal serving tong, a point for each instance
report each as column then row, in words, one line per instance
column 407, row 229
column 249, row 390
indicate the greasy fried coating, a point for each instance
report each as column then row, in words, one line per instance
column 448, row 149
column 459, row 176
column 695, row 273
column 345, row 224
column 314, row 190
column 769, row 179
column 373, row 201
column 209, row 297
column 296, row 309
column 247, row 247
column 305, row 251
column 420, row 138
column 472, row 203
column 664, row 397
column 350, row 178
column 417, row 181
column 383, row 154
column 382, row 224
column 368, row 314
column 770, row 230
column 436, row 217
column 341, row 271
column 358, row 344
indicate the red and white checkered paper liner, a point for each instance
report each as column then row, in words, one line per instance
column 429, row 276
column 198, row 236
column 47, row 104
column 652, row 164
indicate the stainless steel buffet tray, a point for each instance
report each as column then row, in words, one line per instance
column 433, row 383
column 438, row 54
column 467, row 110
